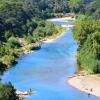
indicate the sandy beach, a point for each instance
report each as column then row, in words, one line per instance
column 88, row 83
column 48, row 40
column 51, row 39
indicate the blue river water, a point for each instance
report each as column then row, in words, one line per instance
column 46, row 71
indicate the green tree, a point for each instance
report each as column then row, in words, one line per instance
column 7, row 92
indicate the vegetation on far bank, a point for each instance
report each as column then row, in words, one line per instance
column 87, row 33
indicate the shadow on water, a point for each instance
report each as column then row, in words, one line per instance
column 47, row 69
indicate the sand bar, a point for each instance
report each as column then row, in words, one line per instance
column 88, row 83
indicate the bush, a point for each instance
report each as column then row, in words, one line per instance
column 12, row 41
column 30, row 39
column 8, row 59
column 7, row 92
column 2, row 67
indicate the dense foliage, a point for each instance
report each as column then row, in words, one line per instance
column 93, row 9
column 87, row 32
column 7, row 92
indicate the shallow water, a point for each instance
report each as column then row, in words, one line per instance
column 46, row 71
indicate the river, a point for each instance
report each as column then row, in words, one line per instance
column 46, row 71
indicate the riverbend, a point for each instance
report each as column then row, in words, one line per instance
column 47, row 70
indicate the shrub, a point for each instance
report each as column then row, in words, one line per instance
column 88, row 35
column 7, row 92
column 13, row 42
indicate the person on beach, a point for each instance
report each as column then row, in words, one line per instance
column 30, row 91
column 91, row 89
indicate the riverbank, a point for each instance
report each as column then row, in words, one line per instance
column 35, row 46
column 86, row 83
column 27, row 44
column 87, row 58
column 54, row 37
